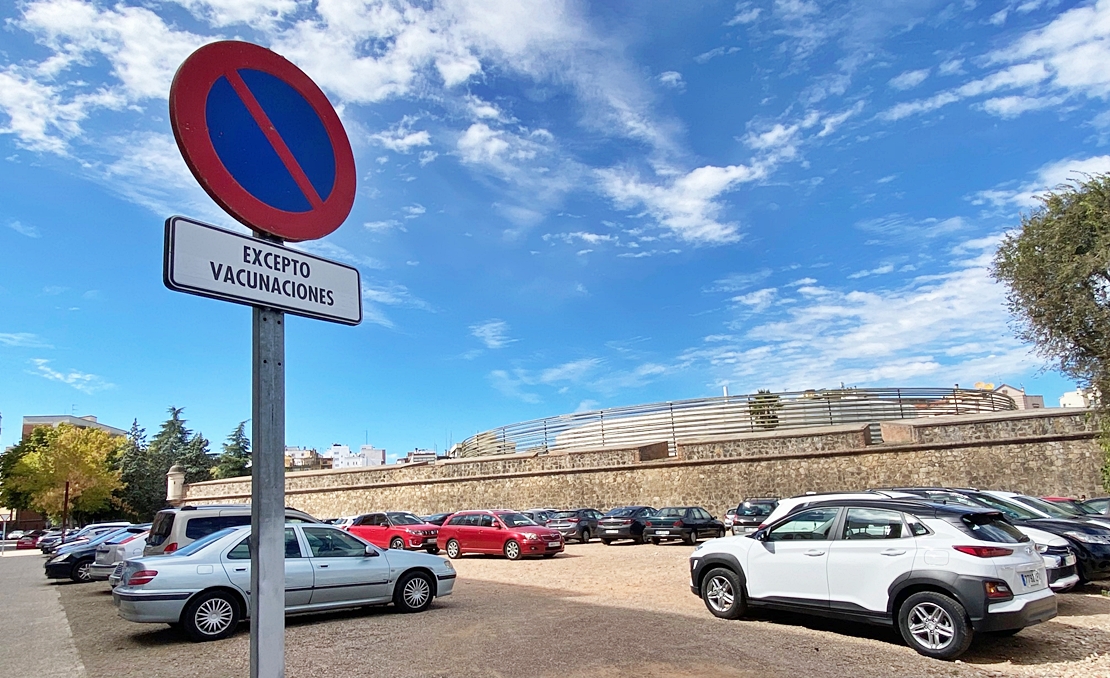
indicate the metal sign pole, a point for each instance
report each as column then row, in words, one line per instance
column 267, row 594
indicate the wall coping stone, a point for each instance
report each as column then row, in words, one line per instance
column 809, row 432
column 986, row 417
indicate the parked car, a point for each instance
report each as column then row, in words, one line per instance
column 1100, row 504
column 396, row 530
column 624, row 522
column 438, row 518
column 1048, row 509
column 580, row 524
column 540, row 516
column 688, row 523
column 792, row 504
column 750, row 513
column 75, row 561
column 174, row 528
column 14, row 534
column 29, row 540
column 1056, row 552
column 1074, row 505
column 49, row 543
column 989, row 579
column 111, row 554
column 205, row 586
column 341, row 523
column 498, row 532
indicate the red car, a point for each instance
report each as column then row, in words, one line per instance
column 499, row 532
column 29, row 540
column 396, row 530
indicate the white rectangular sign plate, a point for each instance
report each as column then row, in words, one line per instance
column 211, row 262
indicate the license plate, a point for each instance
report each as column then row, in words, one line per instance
column 552, row 544
column 1069, row 560
column 611, row 531
column 662, row 532
column 1031, row 579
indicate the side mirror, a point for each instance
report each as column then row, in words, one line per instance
column 498, row 526
column 371, row 552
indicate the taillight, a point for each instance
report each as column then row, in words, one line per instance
column 170, row 547
column 984, row 551
column 142, row 577
column 998, row 590
column 677, row 523
column 572, row 520
column 626, row 522
column 649, row 524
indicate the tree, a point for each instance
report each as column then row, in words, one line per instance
column 79, row 457
column 236, row 455
column 10, row 495
column 764, row 409
column 196, row 460
column 1056, row 269
column 143, row 492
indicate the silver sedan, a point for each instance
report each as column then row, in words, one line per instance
column 204, row 587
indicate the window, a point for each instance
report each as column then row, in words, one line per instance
column 754, row 510
column 401, row 518
column 703, row 514
column 992, row 527
column 811, row 525
column 861, row 523
column 486, row 520
column 160, row 529
column 516, row 520
column 457, row 520
column 917, row 528
column 328, row 543
column 242, row 550
column 201, row 526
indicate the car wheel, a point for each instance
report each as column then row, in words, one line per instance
column 720, row 533
column 397, row 544
column 935, row 625
column 413, row 592
column 586, row 536
column 211, row 616
column 434, row 550
column 692, row 538
column 606, row 541
column 453, row 550
column 655, row 541
column 82, row 571
column 549, row 555
column 723, row 594
column 512, row 550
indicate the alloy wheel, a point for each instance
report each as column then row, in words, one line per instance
column 719, row 594
column 416, row 591
column 931, row 626
column 214, row 616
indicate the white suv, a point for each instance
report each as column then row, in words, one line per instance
column 940, row 573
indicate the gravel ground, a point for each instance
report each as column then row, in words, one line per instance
column 596, row 611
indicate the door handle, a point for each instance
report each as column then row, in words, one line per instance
column 323, row 566
column 893, row 552
column 240, row 569
column 814, row 552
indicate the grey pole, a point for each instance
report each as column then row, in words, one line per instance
column 267, row 594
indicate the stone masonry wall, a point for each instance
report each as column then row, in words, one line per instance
column 1046, row 452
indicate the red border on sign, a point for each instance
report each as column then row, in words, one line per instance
column 188, row 98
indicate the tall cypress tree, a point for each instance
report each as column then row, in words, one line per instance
column 236, row 455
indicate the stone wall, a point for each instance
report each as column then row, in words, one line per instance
column 1043, row 452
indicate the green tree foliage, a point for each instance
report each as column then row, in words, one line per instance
column 80, row 457
column 1056, row 269
column 143, row 466
column 143, row 492
column 236, row 455
column 764, row 408
column 196, row 460
column 10, row 495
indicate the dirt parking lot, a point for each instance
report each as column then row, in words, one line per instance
column 595, row 611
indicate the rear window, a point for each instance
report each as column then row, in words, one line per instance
column 203, row 526
column 565, row 514
column 754, row 510
column 992, row 527
column 160, row 528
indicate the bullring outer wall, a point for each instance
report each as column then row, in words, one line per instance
column 1042, row 452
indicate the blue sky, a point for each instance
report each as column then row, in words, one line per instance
column 561, row 206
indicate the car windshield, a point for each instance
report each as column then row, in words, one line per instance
column 1010, row 509
column 747, row 509
column 1052, row 509
column 671, row 512
column 622, row 512
column 515, row 519
column 1080, row 506
column 400, row 518
column 203, row 542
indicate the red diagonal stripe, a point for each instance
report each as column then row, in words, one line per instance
column 263, row 121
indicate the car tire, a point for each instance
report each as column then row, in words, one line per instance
column 512, row 550
column 397, row 544
column 723, row 594
column 434, row 550
column 655, row 541
column 213, row 615
column 606, row 541
column 453, row 549
column 585, row 536
column 638, row 540
column 549, row 555
column 935, row 625
column 413, row 592
column 691, row 538
column 81, row 571
column 720, row 533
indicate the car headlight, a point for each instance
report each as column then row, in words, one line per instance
column 60, row 559
column 448, row 565
column 1042, row 548
column 1089, row 538
column 529, row 535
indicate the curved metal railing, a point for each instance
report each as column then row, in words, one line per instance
column 727, row 415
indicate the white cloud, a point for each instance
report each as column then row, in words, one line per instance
column 758, row 301
column 330, row 250
column 688, row 206
column 401, row 138
column 22, row 340
column 382, row 226
column 671, row 79
column 24, row 229
column 82, row 381
column 945, row 328
column 413, row 211
column 1047, row 177
column 881, row 270
column 427, row 157
column 745, row 14
column 909, row 79
column 480, row 144
column 493, row 333
column 254, row 13
column 375, row 295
